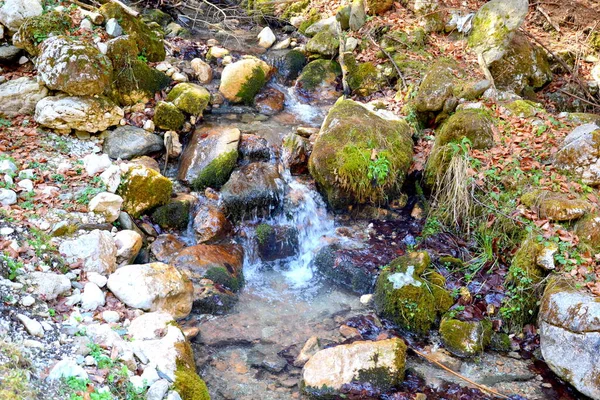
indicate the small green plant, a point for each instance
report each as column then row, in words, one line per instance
column 5, row 123
column 58, row 178
column 12, row 265
column 102, row 360
column 52, row 312
column 142, row 58
column 379, row 169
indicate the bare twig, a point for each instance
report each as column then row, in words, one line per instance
column 82, row 5
column 404, row 86
column 579, row 98
column 442, row 366
column 342, row 51
column 545, row 14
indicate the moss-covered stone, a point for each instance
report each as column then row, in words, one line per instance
column 437, row 87
column 555, row 206
column 465, row 338
column 524, row 108
column 325, row 43
column 217, row 172
column 263, row 231
column 143, row 189
column 188, row 384
column 588, row 230
column 37, row 29
column 343, row 17
column 149, row 43
column 295, row 8
column 407, row 298
column 500, row 342
column 363, row 78
column 377, row 7
column 157, row 16
column 311, row 19
column 342, row 161
column 319, row 72
column 168, row 117
column 242, row 80
column 260, row 8
column 174, row 215
column 189, row 98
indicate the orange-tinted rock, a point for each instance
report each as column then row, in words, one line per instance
column 166, row 246
column 269, row 101
column 210, row 224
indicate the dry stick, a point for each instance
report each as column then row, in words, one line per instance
column 564, row 64
column 83, row 5
column 579, row 98
column 545, row 14
column 404, row 86
column 442, row 366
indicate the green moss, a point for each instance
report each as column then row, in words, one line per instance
column 484, row 25
column 157, row 16
column 500, row 342
column 442, row 299
column 324, row 43
column 473, row 124
column 15, row 374
column 362, row 78
column 188, row 384
column 148, row 42
column 588, row 230
column 223, row 277
column 217, row 172
column 295, row 8
column 189, row 98
column 173, row 215
column 143, row 189
column 312, row 17
column 168, row 117
column 341, row 157
column 263, row 232
column 377, row 7
column 136, row 82
column 317, row 72
column 437, row 86
column 465, row 338
column 343, row 16
column 524, row 108
column 37, row 29
column 252, row 86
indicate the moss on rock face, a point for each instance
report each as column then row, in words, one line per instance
column 148, row 42
column 242, row 80
column 325, row 43
column 189, row 98
column 295, row 8
column 407, row 298
column 437, row 87
column 168, row 117
column 475, row 125
column 217, row 172
column 362, row 78
column 143, row 189
column 341, row 161
column 188, row 384
column 318, row 72
column 174, row 215
column 37, row 29
column 465, row 338
column 524, row 108
column 377, row 7
column 588, row 230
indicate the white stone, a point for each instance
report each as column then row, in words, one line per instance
column 596, row 73
column 95, row 163
column 7, row 197
column 98, row 279
column 89, row 361
column 49, row 285
column 352, row 43
column 6, row 231
column 111, row 177
column 14, row 12
column 20, row 96
column 86, row 24
column 173, row 395
column 96, row 250
column 149, row 325
column 104, row 336
column 217, row 52
column 92, row 297
column 149, row 126
column 33, row 344
column 27, row 174
column 545, row 257
column 110, row 316
column 103, row 47
column 284, row 44
column 203, row 71
column 266, row 38
column 27, row 301
column 129, row 243
column 113, row 28
column 32, row 326
column 106, row 204
column 366, row 299
column 150, row 375
column 26, row 184
column 66, row 368
column 179, row 77
column 158, row 390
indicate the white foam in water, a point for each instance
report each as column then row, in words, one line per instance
column 306, row 113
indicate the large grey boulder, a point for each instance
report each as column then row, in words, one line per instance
column 73, row 66
column 20, row 96
column 14, row 12
column 569, row 327
column 127, row 142
column 580, row 154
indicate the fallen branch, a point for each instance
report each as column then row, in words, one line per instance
column 442, row 366
column 83, row 5
column 545, row 14
column 579, row 98
column 404, row 86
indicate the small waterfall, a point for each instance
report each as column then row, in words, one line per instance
column 307, row 113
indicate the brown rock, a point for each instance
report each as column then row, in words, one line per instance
column 166, row 246
column 210, row 224
column 269, row 101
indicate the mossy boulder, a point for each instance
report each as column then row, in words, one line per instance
column 524, row 108
column 343, row 17
column 37, row 29
column 189, row 98
column 210, row 157
column 157, row 16
column 404, row 293
column 143, row 189
column 352, row 146
column 287, row 63
column 343, row 271
column 73, row 66
column 168, row 117
column 295, row 8
column 436, row 92
column 175, row 215
column 242, row 80
column 148, row 42
column 136, row 82
column 363, row 78
column 377, row 7
column 276, row 242
column 465, row 338
column 579, row 154
column 319, row 79
column 260, row 8
column 522, row 65
column 324, row 43
column 555, row 206
column 588, row 230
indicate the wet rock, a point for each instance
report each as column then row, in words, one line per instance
column 351, row 141
column 269, row 101
column 343, row 271
column 189, row 98
column 310, row 348
column 73, row 66
column 92, row 297
column 48, row 285
column 210, row 224
column 175, row 214
column 579, row 153
column 106, row 204
column 96, row 250
column 569, row 333
column 203, row 71
column 465, row 338
column 129, row 243
column 210, row 157
column 153, row 287
column 254, row 148
column 276, row 242
column 406, row 297
column 221, row 264
column 211, row 298
column 296, row 153
column 168, row 117
column 143, row 189
column 319, row 80
column 240, row 81
column 325, row 43
column 13, row 13
column 379, row 363
column 165, row 247
column 288, row 63
column 127, row 142
column 253, row 190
